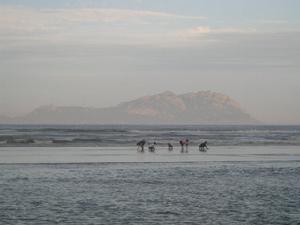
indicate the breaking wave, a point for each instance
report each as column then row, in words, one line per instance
column 119, row 135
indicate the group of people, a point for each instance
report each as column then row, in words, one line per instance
column 183, row 143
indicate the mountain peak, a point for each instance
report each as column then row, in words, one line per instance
column 202, row 107
column 45, row 108
column 167, row 93
column 193, row 107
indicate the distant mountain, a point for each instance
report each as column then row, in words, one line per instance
column 203, row 107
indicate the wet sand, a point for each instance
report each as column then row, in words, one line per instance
column 129, row 154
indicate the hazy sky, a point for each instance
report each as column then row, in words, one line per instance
column 99, row 53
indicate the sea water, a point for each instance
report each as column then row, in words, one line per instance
column 249, row 175
column 128, row 135
column 151, row 193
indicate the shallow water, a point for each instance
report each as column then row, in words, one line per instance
column 151, row 193
column 118, row 185
column 130, row 154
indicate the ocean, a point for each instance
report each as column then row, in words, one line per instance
column 95, row 175
column 126, row 135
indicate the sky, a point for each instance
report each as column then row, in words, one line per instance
column 99, row 53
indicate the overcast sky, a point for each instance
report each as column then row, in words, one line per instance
column 99, row 53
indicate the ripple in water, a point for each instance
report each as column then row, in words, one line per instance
column 151, row 193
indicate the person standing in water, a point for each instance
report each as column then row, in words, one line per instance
column 181, row 142
column 186, row 145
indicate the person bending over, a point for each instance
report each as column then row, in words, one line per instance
column 203, row 147
column 140, row 145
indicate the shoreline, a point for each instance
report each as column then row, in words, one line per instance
column 50, row 155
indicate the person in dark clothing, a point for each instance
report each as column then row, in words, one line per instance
column 181, row 142
column 186, row 145
column 203, row 147
column 140, row 145
column 151, row 147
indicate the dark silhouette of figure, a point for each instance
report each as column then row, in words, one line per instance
column 170, row 146
column 151, row 147
column 203, row 147
column 141, row 144
column 182, row 142
column 186, row 145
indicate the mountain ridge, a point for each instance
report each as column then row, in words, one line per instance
column 202, row 107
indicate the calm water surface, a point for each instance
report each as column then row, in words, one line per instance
column 151, row 193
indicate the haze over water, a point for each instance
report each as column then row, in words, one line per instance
column 92, row 54
column 99, row 53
